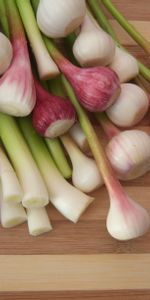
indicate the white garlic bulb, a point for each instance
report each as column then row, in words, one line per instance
column 58, row 18
column 127, row 219
column 85, row 175
column 129, row 153
column 93, row 45
column 125, row 65
column 130, row 107
column 17, row 93
column 6, row 53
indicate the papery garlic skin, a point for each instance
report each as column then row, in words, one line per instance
column 128, row 220
column 129, row 154
column 6, row 53
column 85, row 175
column 93, row 46
column 125, row 65
column 130, row 107
column 58, row 18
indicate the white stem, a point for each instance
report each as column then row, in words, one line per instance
column 35, row 192
column 12, row 191
column 66, row 198
column 34, row 189
column 12, row 214
column 46, row 66
column 38, row 221
column 85, row 175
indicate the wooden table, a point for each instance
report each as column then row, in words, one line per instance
column 82, row 261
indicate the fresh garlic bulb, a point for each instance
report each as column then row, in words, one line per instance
column 6, row 53
column 130, row 107
column 38, row 221
column 79, row 137
column 52, row 115
column 58, row 18
column 93, row 45
column 96, row 88
column 125, row 65
column 129, row 153
column 17, row 93
column 127, row 220
column 85, row 175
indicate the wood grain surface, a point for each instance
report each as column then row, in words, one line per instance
column 82, row 261
column 75, row 272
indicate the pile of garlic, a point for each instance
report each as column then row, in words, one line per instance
column 127, row 151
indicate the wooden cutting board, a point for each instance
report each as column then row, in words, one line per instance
column 82, row 261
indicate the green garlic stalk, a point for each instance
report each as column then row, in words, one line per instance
column 34, row 190
column 57, row 152
column 127, row 26
column 66, row 198
column 105, row 24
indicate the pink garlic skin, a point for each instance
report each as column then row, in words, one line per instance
column 17, row 90
column 96, row 88
column 127, row 219
column 50, row 109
